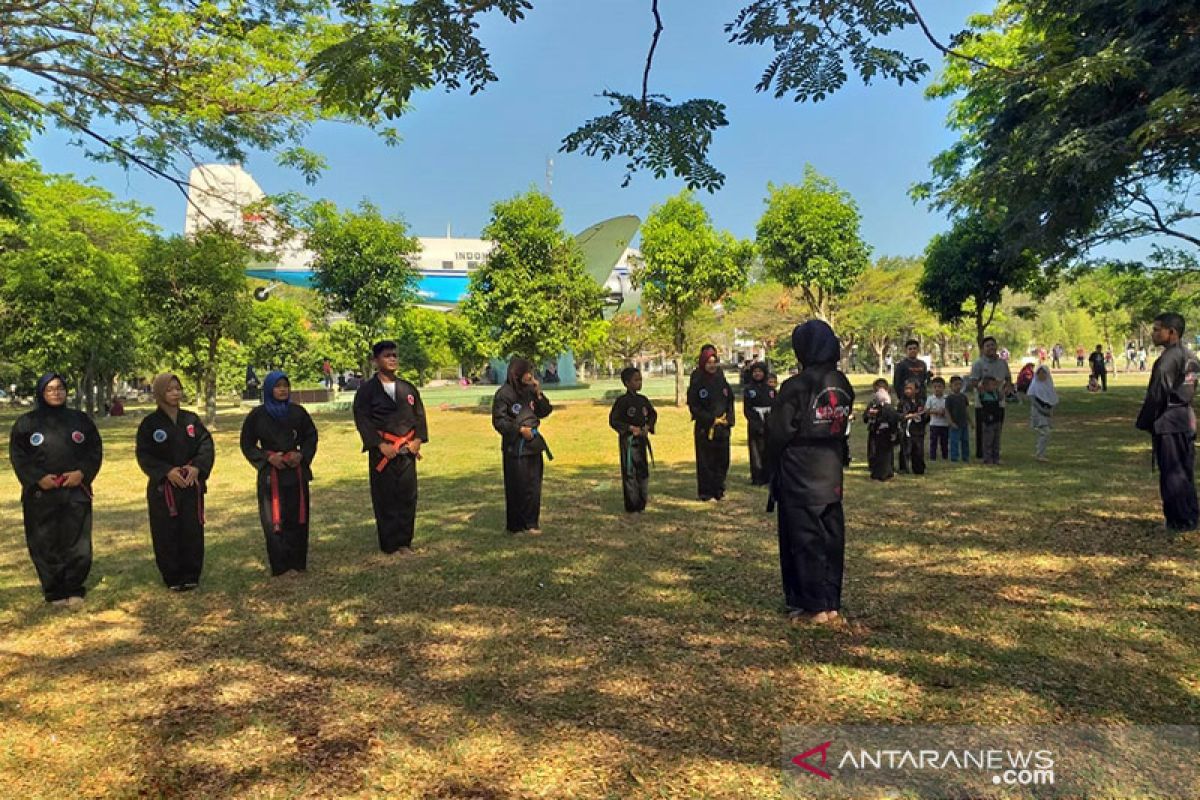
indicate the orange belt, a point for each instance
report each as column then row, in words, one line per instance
column 276, row 513
column 396, row 441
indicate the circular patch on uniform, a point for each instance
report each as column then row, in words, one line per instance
column 412, row 401
column 160, row 435
column 36, row 439
column 704, row 394
column 516, row 408
column 751, row 394
column 631, row 412
column 77, row 437
column 191, row 431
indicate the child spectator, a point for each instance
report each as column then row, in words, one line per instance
column 882, row 429
column 1042, row 400
column 960, row 421
column 939, row 420
column 991, row 417
column 912, row 430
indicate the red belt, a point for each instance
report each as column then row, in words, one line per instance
column 168, row 490
column 396, row 441
column 276, row 514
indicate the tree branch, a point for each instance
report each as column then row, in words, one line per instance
column 1161, row 225
column 658, row 29
column 949, row 51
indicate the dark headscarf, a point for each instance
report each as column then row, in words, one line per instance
column 815, row 344
column 706, row 352
column 42, row 383
column 278, row 409
column 518, row 368
column 757, row 365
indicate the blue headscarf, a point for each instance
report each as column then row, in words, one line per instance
column 276, row 408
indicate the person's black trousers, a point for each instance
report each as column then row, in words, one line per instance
column 912, row 454
column 712, row 464
column 394, row 498
column 522, row 491
column 1175, row 454
column 758, row 457
column 178, row 538
column 635, row 473
column 58, row 533
column 287, row 549
column 812, row 551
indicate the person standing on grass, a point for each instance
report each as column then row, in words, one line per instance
column 957, row 405
column 518, row 409
column 911, row 369
column 883, row 426
column 279, row 440
column 912, row 430
column 176, row 452
column 1167, row 415
column 711, row 402
column 1042, row 402
column 992, row 365
column 806, row 435
column 939, row 420
column 757, row 399
column 390, row 418
column 1080, row 354
column 1099, row 367
column 633, row 418
column 990, row 417
column 56, row 453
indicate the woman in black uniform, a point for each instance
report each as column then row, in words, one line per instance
column 517, row 411
column 711, row 402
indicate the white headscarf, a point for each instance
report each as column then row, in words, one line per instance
column 1042, row 387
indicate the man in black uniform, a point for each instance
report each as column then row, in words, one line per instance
column 390, row 418
column 517, row 412
column 56, row 453
column 1168, row 417
column 805, row 440
column 633, row 418
column 911, row 369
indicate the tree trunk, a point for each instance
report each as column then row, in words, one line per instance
column 879, row 348
column 210, row 384
column 943, row 346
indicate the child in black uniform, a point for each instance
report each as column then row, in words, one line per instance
column 991, row 416
column 633, row 418
column 883, row 425
column 912, row 430
column 757, row 399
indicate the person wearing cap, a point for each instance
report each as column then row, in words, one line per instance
column 176, row 452
column 279, row 440
column 711, row 402
column 56, row 453
column 390, row 418
column 806, row 439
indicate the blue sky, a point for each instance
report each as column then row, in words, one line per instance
column 460, row 153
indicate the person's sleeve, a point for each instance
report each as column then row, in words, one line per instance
column 308, row 439
column 21, row 455
column 206, row 453
column 422, row 426
column 154, row 467
column 974, row 377
column 652, row 420
column 362, row 420
column 615, row 421
column 249, row 442
column 542, row 407
column 94, row 456
column 730, row 407
column 505, row 425
column 898, row 378
column 781, row 427
column 1156, row 399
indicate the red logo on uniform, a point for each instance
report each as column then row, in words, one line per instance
column 412, row 401
column 77, row 437
column 191, row 431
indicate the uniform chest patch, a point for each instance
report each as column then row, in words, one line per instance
column 36, row 439
column 704, row 394
column 751, row 394
column 631, row 412
column 77, row 437
column 516, row 408
column 412, row 401
column 160, row 435
column 191, row 431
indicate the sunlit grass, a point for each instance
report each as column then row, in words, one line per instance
column 615, row 656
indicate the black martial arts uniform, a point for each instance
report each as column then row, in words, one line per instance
column 990, row 418
column 58, row 522
column 883, row 428
column 710, row 398
column 912, row 436
column 1167, row 415
column 393, row 481
column 805, row 442
column 176, row 515
column 513, row 409
column 634, row 410
column 283, row 494
column 757, row 400
column 1099, row 369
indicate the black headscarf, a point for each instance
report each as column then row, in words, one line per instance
column 816, row 344
column 42, row 383
column 518, row 368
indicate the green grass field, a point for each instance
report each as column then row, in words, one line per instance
column 613, row 657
